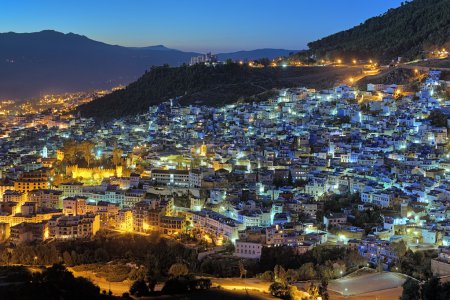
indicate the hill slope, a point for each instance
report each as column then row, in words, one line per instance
column 200, row 84
column 405, row 31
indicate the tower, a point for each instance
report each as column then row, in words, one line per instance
column 44, row 152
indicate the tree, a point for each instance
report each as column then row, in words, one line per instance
column 86, row 148
column 313, row 291
column 153, row 271
column 438, row 118
column 280, row 274
column 178, row 270
column 242, row 270
column 266, row 276
column 399, row 248
column 116, row 156
column 307, row 272
column 323, row 290
column 139, row 288
column 101, row 255
column 411, row 290
column 291, row 275
column 431, row 289
column 68, row 259
column 70, row 151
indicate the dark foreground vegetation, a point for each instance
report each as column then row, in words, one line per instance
column 55, row 282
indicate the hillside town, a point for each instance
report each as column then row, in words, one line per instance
column 343, row 167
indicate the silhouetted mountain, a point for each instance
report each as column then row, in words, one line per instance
column 255, row 54
column 52, row 62
column 405, row 31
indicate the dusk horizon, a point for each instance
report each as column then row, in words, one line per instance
column 199, row 26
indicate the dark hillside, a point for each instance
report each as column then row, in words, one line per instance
column 408, row 31
column 205, row 85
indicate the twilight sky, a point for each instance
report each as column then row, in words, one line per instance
column 198, row 25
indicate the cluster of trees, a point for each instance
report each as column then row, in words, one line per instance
column 416, row 264
column 405, row 31
column 363, row 219
column 83, row 153
column 152, row 252
column 321, row 262
column 74, row 151
column 438, row 118
column 282, row 287
column 180, row 281
column 432, row 289
column 55, row 282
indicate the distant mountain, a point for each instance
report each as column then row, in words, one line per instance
column 43, row 62
column 50, row 61
column 406, row 31
column 255, row 54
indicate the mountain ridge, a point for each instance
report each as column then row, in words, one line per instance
column 50, row 61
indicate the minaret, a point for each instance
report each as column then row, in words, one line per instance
column 45, row 152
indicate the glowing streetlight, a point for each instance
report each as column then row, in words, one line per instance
column 339, row 61
column 354, row 61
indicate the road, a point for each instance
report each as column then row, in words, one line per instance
column 242, row 284
column 117, row 288
column 389, row 294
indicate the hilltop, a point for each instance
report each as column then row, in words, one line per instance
column 200, row 84
column 408, row 31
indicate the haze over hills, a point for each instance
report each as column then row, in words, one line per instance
column 54, row 62
column 406, row 31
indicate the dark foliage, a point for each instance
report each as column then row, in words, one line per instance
column 139, row 289
column 438, row 118
column 199, row 84
column 55, row 282
column 405, row 31
column 182, row 285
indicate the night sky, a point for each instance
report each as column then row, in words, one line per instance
column 197, row 25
